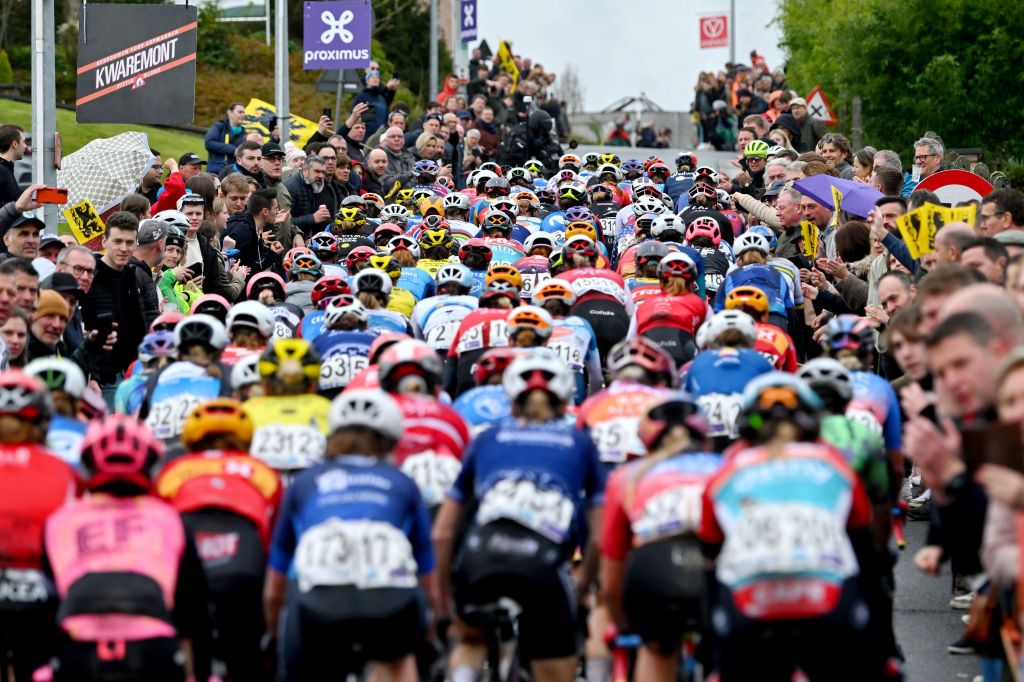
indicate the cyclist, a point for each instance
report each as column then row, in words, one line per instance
column 133, row 594
column 437, row 246
column 704, row 234
column 351, row 554
column 344, row 347
column 155, row 351
column 525, row 481
column 373, row 288
column 752, row 251
column 774, row 344
column 400, row 299
column 305, row 270
column 268, row 288
column 573, row 338
column 289, row 419
column 436, row 319
column 245, row 379
column 405, row 251
column 652, row 570
column 484, row 405
column 672, row 317
column 228, row 501
column 480, row 330
column 529, row 327
column 786, row 523
column 36, row 483
column 476, row 255
column 324, row 291
column 250, row 325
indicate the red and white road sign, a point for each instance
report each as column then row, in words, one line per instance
column 714, row 31
column 955, row 186
column 820, row 108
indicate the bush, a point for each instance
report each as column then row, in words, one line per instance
column 6, row 72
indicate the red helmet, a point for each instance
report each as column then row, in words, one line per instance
column 286, row 262
column 643, row 353
column 657, row 167
column 383, row 342
column 167, row 321
column 651, row 161
column 704, row 226
column 120, row 448
column 494, row 361
column 406, row 358
column 360, row 254
column 476, row 245
column 261, row 281
column 327, row 288
column 24, row 396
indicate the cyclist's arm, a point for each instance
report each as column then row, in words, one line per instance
column 445, row 528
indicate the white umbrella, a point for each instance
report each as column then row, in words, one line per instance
column 106, row 171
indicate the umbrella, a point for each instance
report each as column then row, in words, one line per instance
column 858, row 198
column 105, row 171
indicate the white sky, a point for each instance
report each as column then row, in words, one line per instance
column 625, row 47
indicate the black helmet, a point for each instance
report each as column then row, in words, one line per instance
column 540, row 122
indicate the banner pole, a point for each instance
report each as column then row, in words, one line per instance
column 433, row 51
column 732, row 31
column 281, row 69
column 44, row 104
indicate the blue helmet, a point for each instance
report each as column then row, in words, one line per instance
column 766, row 232
column 426, row 167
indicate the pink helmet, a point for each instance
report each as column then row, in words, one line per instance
column 120, row 449
column 211, row 304
column 704, row 226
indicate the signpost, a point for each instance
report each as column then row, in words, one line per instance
column 714, row 31
column 956, row 186
column 818, row 107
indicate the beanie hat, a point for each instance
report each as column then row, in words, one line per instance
column 51, row 303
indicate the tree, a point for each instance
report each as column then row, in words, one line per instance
column 570, row 90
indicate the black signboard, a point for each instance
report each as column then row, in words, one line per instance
column 137, row 64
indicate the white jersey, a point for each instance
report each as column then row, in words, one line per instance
column 437, row 319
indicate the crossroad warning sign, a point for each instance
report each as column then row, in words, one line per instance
column 820, row 108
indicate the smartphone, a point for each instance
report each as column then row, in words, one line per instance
column 52, row 195
column 196, row 268
column 930, row 414
column 993, row 444
column 368, row 115
column 104, row 325
column 327, row 112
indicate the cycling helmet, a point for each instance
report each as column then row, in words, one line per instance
column 612, row 158
column 520, row 174
column 491, row 167
column 477, row 246
column 211, row 304
column 644, row 186
column 286, row 262
column 677, row 264
column 493, row 361
column 454, row 273
column 768, row 233
column 166, row 321
column 119, row 449
column 581, row 227
column 566, row 176
column 502, row 272
column 324, row 242
column 497, row 187
column 778, row 396
column 829, row 378
column 577, row 213
column 546, row 196
column 573, row 191
column 427, row 168
column 497, row 220
column 371, row 409
column 205, row 330
column 555, row 290
column 650, row 250
column 290, row 361
column 540, row 239
column 354, row 200
column 327, row 288
column 528, row 198
column 750, row 241
column 731, row 319
column 609, row 169
column 158, row 344
column 386, row 263
column 246, row 372
column 174, row 219
column 394, row 212
column 676, row 409
column 382, row 343
column 756, row 148
column 724, row 198
column 254, row 315
column 385, row 232
column 404, row 242
column 410, row 359
column 261, row 281
column 306, row 264
column 643, row 353
column 58, row 374
column 530, row 317
column 668, row 227
column 644, row 223
column 591, row 159
column 506, row 204
column 658, row 167
column 848, row 332
column 456, row 201
column 342, row 305
column 431, row 206
column 571, row 162
column 350, row 214
column 632, row 167
column 483, row 176
column 436, row 238
column 217, row 417
column 584, row 246
column 747, row 298
column 371, row 199
column 776, row 150
column 556, row 259
column 24, row 396
column 649, row 204
column 686, row 159
column 701, row 190
column 706, row 174
column 358, row 256
column 534, row 371
column 434, row 222
column 372, row 280
column 534, row 166
column 704, row 226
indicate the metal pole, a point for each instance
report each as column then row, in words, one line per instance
column 857, row 130
column 433, row 50
column 44, row 103
column 266, row 22
column 281, row 69
column 337, row 99
column 732, row 31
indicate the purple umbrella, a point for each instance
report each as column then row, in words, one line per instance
column 858, row 199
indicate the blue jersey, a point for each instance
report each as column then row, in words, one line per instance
column 356, row 521
column 769, row 280
column 554, row 223
column 678, row 184
column 437, row 319
column 383, row 320
column 64, row 438
column 483, row 407
column 716, row 378
column 312, row 325
column 417, row 282
column 343, row 355
column 479, row 280
column 574, row 341
column 479, row 206
column 540, row 476
column 874, row 405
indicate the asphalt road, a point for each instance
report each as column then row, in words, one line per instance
column 924, row 622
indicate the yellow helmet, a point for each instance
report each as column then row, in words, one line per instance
column 431, row 206
column 387, row 264
column 217, row 417
column 747, row 297
column 581, row 227
column 351, row 214
column 504, row 273
column 404, row 197
column 430, row 239
column 289, row 361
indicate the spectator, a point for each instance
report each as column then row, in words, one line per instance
column 272, row 166
column 80, row 263
column 137, row 205
column 67, row 286
column 377, row 98
column 223, row 136
column 152, row 181
column 836, row 150
column 15, row 338
column 26, row 283
column 373, row 173
column 1000, row 210
column 190, row 165
column 450, row 89
column 788, row 125
column 400, row 159
column 353, row 130
column 988, row 257
column 12, row 148
column 235, row 189
column 313, row 205
column 490, row 143
column 253, row 232
column 396, row 117
column 149, row 252
column 748, row 104
column 887, row 180
column 114, row 297
column 49, row 247
column 248, row 156
column 48, row 324
column 22, row 238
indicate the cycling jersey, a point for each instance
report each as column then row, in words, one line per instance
column 678, row 184
column 504, row 251
column 130, row 393
column 554, row 223
column 483, row 407
column 776, row 346
column 642, row 288
column 781, row 519
column 232, row 354
column 535, row 270
column 613, row 416
column 36, row 482
column 64, row 437
column 716, row 378
column 290, row 432
column 716, row 267
column 432, row 443
column 343, row 354
column 437, row 319
column 390, row 320
column 462, row 230
column 479, row 207
column 400, row 301
column 598, row 284
column 431, row 265
column 479, row 330
column 313, row 325
column 417, row 282
column 573, row 341
column 287, row 318
column 670, row 322
column 769, row 280
column 864, row 451
column 177, row 390
column 874, row 404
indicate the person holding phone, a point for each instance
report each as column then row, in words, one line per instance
column 378, row 99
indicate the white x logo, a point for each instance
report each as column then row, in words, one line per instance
column 336, row 28
column 467, row 10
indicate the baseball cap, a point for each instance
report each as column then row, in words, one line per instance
column 50, row 240
column 435, row 117
column 151, row 231
column 28, row 217
column 51, row 303
column 62, row 283
column 272, row 149
column 774, row 189
column 190, row 159
column 798, row 102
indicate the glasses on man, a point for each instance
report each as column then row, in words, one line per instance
column 990, row 216
column 82, row 271
column 921, row 157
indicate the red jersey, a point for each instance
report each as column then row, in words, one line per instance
column 613, row 416
column 596, row 284
column 430, row 451
column 776, row 346
column 482, row 328
column 684, row 312
column 35, row 484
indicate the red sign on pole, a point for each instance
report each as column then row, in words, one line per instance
column 714, row 31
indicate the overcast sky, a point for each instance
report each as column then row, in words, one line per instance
column 625, row 47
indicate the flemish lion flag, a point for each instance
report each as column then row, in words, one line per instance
column 505, row 61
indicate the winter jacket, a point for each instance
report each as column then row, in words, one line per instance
column 305, row 203
column 252, row 252
column 117, row 293
column 399, row 167
column 220, row 145
column 297, row 292
column 379, row 99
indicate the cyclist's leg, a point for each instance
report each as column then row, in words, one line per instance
column 402, row 670
column 599, row 661
column 29, row 633
column 554, row 669
column 656, row 664
column 608, row 320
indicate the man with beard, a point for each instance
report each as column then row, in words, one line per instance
column 248, row 156
column 313, row 205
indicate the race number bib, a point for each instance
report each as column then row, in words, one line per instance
column 672, row 512
column 499, row 333
column 865, row 418
column 567, row 347
column 339, row 369
column 433, row 474
column 167, row 418
column 721, row 411
column 599, row 285
column 547, row 512
column 282, row 330
column 364, row 553
column 785, row 539
column 440, row 336
column 617, row 438
column 531, row 281
column 471, row 339
column 288, row 446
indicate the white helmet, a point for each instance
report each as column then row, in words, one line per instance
column 204, row 329
column 251, row 314
column 404, row 241
column 750, row 241
column 507, row 204
column 371, row 279
column 342, row 305
column 246, row 372
column 701, row 337
column 667, row 222
column 456, row 201
column 827, row 372
column 173, row 218
column 731, row 319
column 392, row 211
column 484, row 175
column 642, row 181
column 368, row 408
column 649, row 205
column 543, row 371
column 609, row 168
column 540, row 239
column 58, row 374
